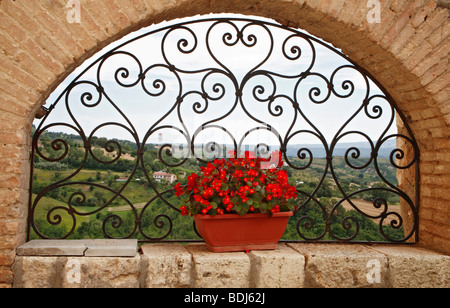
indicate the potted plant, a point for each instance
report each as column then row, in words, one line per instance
column 239, row 204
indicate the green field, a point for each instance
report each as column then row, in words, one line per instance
column 100, row 201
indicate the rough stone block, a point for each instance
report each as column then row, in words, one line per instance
column 101, row 272
column 76, row 272
column 280, row 268
column 219, row 270
column 343, row 266
column 167, row 266
column 412, row 267
column 36, row 272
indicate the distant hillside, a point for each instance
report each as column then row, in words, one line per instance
column 364, row 148
column 316, row 149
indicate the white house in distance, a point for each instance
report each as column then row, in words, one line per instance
column 164, row 176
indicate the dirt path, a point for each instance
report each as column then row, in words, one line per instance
column 368, row 208
column 126, row 207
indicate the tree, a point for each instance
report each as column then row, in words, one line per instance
column 75, row 157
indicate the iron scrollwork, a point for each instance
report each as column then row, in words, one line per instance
column 190, row 83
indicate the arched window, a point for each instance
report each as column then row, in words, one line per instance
column 132, row 122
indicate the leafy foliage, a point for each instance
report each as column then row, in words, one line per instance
column 115, row 215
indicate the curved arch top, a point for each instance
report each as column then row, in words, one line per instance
column 216, row 86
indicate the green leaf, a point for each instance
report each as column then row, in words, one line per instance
column 245, row 208
column 262, row 192
column 263, row 208
column 237, row 207
column 213, row 204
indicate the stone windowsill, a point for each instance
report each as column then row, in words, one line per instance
column 119, row 263
column 79, row 248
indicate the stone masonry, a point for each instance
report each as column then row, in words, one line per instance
column 193, row 266
column 407, row 52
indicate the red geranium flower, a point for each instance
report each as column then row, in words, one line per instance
column 238, row 185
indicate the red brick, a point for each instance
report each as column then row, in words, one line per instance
column 436, row 229
column 442, row 98
column 48, row 45
column 424, row 32
column 6, row 275
column 117, row 16
column 348, row 10
column 439, row 83
column 21, row 17
column 93, row 14
column 7, row 258
column 418, row 55
column 39, row 46
column 359, row 16
column 73, row 36
column 15, row 89
column 55, row 28
column 440, row 244
column 421, row 15
column 128, row 9
column 142, row 8
column 8, row 47
column 398, row 5
column 43, row 57
column 432, row 73
column 11, row 105
column 402, row 38
column 336, row 8
column 400, row 22
column 14, row 30
column 324, row 6
column 28, row 63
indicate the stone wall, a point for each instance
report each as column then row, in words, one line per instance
column 193, row 266
column 407, row 52
column 443, row 3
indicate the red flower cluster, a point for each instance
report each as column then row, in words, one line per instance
column 242, row 185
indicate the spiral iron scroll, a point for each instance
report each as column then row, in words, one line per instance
column 221, row 83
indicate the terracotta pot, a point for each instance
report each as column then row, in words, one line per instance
column 232, row 232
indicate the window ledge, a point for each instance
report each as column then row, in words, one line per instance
column 79, row 248
column 52, row 263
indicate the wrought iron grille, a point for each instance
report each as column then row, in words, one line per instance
column 213, row 86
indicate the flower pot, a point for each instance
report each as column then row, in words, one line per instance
column 232, row 232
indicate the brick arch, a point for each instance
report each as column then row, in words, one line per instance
column 407, row 53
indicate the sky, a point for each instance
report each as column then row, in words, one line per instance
column 144, row 109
